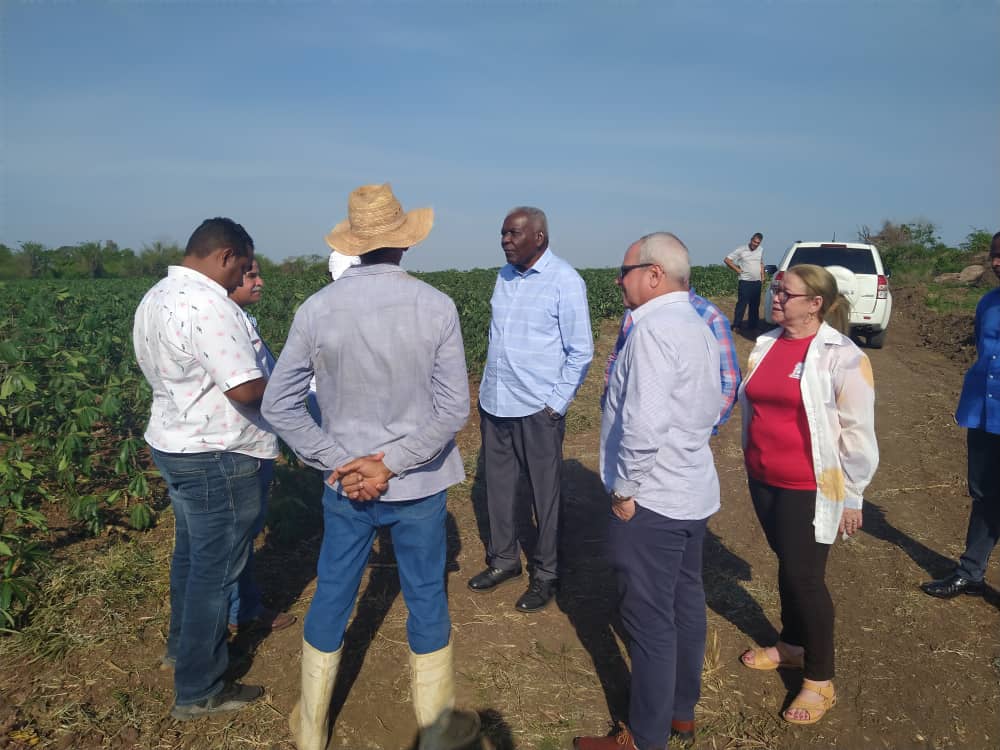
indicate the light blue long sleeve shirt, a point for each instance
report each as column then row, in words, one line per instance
column 387, row 353
column 541, row 342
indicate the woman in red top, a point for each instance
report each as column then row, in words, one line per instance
column 810, row 386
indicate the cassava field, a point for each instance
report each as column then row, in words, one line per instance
column 86, row 534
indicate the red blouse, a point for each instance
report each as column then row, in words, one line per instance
column 779, row 452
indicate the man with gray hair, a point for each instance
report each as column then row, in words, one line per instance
column 663, row 399
column 540, row 348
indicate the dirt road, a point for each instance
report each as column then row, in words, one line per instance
column 912, row 672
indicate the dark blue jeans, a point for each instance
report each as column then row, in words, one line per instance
column 748, row 299
column 246, row 602
column 984, row 517
column 662, row 603
column 418, row 539
column 216, row 500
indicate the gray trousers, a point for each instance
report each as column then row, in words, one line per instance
column 533, row 445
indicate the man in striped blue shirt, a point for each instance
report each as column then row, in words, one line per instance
column 539, row 352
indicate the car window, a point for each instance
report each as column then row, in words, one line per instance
column 856, row 260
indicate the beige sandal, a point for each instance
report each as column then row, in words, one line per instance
column 764, row 662
column 816, row 711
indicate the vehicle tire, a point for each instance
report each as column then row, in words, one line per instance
column 876, row 340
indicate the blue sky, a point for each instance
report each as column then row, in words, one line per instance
column 803, row 119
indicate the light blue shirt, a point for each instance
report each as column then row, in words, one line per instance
column 664, row 396
column 540, row 339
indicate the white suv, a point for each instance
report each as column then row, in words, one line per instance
column 860, row 276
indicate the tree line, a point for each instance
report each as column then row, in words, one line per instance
column 95, row 260
column 100, row 260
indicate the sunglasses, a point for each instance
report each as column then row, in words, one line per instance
column 623, row 271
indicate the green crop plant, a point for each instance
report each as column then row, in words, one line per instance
column 74, row 405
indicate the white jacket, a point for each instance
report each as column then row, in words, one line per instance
column 838, row 393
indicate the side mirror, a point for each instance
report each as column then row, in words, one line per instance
column 770, row 270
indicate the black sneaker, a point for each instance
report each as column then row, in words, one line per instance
column 538, row 595
column 232, row 697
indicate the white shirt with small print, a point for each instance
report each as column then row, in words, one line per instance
column 192, row 344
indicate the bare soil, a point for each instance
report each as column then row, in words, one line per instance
column 912, row 672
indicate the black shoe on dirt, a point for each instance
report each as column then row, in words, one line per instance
column 232, row 697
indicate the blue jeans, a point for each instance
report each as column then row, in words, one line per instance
column 216, row 500
column 658, row 563
column 418, row 538
column 748, row 299
column 246, row 602
column 984, row 517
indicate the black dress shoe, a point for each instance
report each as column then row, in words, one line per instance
column 490, row 578
column 539, row 594
column 953, row 585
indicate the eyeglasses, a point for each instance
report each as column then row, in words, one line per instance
column 623, row 271
column 782, row 296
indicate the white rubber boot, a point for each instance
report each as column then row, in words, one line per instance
column 310, row 719
column 432, row 683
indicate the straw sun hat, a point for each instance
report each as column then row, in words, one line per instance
column 375, row 219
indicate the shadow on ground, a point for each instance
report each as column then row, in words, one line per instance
column 876, row 524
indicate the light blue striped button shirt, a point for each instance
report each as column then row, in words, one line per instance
column 540, row 339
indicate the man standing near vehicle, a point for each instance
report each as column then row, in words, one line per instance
column 748, row 261
column 663, row 400
column 979, row 412
column 246, row 607
column 540, row 348
column 393, row 391
column 192, row 344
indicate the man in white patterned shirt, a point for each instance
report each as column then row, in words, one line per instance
column 664, row 397
column 192, row 344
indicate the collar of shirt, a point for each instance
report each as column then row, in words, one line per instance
column 657, row 302
column 543, row 262
column 372, row 270
column 189, row 274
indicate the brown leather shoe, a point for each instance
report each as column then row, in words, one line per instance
column 682, row 732
column 620, row 741
column 268, row 620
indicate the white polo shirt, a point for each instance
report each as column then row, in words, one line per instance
column 192, row 344
column 749, row 261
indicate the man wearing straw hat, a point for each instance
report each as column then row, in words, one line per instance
column 391, row 383
column 540, row 348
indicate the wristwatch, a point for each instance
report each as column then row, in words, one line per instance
column 619, row 498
